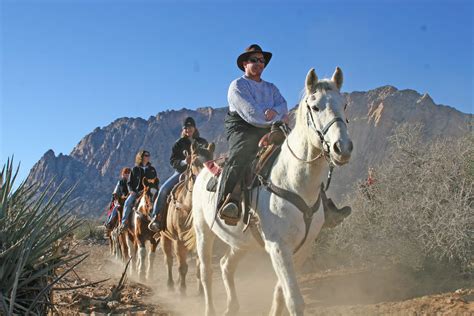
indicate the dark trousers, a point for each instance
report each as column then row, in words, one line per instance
column 243, row 141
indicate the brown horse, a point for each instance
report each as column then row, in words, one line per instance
column 118, row 238
column 178, row 223
column 137, row 234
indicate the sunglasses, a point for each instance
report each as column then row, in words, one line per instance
column 255, row 60
column 146, row 155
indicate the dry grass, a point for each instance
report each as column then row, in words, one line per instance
column 419, row 213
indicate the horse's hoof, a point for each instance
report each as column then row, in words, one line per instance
column 232, row 310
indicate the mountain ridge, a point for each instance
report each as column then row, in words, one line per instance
column 95, row 161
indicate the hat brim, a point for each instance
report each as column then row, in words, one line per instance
column 243, row 57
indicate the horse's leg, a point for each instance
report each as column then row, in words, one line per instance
column 122, row 239
column 151, row 259
column 168, row 256
column 204, row 242
column 141, row 257
column 278, row 301
column 228, row 265
column 111, row 245
column 282, row 261
column 181, row 256
column 130, row 240
column 198, row 277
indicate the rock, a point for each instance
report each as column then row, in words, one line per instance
column 461, row 291
column 113, row 304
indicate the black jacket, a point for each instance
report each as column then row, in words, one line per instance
column 138, row 173
column 183, row 144
column 121, row 188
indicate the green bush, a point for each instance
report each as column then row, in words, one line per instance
column 89, row 229
column 33, row 245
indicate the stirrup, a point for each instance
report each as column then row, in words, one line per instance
column 154, row 225
column 230, row 207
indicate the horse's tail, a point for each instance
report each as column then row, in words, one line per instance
column 189, row 235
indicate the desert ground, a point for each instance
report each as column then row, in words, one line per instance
column 382, row 291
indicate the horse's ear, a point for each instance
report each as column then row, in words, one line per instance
column 338, row 78
column 211, row 147
column 311, row 81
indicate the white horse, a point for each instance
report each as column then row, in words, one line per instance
column 320, row 132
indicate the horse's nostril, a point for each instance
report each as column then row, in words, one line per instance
column 337, row 147
column 351, row 146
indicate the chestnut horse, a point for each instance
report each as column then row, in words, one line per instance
column 137, row 234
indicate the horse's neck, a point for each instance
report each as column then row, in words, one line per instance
column 185, row 193
column 142, row 205
column 293, row 175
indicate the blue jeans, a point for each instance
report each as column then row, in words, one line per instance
column 127, row 208
column 165, row 189
column 112, row 215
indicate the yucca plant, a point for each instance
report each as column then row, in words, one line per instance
column 33, row 232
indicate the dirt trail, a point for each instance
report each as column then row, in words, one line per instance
column 325, row 293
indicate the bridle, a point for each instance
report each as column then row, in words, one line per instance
column 326, row 150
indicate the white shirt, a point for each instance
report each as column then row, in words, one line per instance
column 250, row 99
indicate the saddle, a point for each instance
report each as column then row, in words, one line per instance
column 270, row 146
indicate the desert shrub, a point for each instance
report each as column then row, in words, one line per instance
column 419, row 212
column 89, row 229
column 33, row 245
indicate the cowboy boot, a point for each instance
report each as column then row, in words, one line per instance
column 229, row 212
column 333, row 216
column 155, row 225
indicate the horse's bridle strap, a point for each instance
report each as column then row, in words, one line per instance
column 334, row 120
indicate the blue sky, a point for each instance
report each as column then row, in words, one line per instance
column 70, row 66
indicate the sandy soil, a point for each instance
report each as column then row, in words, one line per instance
column 345, row 292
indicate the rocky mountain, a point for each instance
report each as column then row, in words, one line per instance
column 94, row 164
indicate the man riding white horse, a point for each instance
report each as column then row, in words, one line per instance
column 254, row 105
column 286, row 207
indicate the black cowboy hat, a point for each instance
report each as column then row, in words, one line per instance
column 254, row 48
column 189, row 121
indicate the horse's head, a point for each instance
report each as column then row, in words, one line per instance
column 321, row 113
column 199, row 155
column 144, row 203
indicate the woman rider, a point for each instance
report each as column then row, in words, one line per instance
column 120, row 193
column 179, row 161
column 143, row 169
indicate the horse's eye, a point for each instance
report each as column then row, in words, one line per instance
column 315, row 108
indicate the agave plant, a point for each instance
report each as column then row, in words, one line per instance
column 33, row 230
